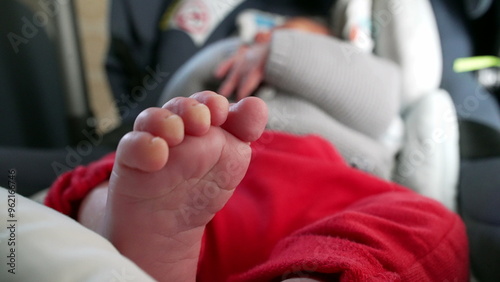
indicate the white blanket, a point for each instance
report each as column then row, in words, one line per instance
column 48, row 246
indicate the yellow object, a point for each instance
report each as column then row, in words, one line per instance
column 475, row 63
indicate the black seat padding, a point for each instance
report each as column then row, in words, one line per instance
column 478, row 140
column 479, row 206
column 479, row 125
column 33, row 105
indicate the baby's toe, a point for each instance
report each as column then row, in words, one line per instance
column 162, row 123
column 195, row 115
column 217, row 104
column 142, row 151
column 247, row 119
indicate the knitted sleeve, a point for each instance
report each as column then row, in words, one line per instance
column 357, row 89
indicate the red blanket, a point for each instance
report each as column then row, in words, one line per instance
column 301, row 211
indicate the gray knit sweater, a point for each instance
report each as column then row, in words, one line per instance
column 316, row 85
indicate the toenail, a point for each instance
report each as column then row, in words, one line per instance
column 205, row 108
column 173, row 121
column 173, row 116
column 203, row 111
column 155, row 140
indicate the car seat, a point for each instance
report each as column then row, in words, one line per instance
column 44, row 106
column 33, row 107
column 428, row 160
column 460, row 25
column 426, row 100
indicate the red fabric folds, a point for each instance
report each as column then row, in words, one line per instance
column 301, row 211
column 69, row 190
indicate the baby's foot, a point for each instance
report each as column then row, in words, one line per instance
column 178, row 168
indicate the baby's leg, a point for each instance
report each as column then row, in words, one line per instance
column 177, row 168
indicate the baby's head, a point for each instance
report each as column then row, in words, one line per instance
column 296, row 23
column 305, row 24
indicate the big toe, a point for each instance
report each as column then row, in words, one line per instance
column 247, row 119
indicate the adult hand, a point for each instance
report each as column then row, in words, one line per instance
column 243, row 71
